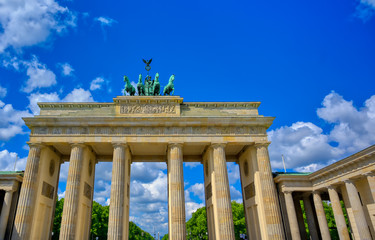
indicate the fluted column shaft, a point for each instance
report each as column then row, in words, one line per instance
column 26, row 202
column 269, row 194
column 70, row 211
column 176, row 197
column 310, row 218
column 116, row 208
column 5, row 213
column 359, row 215
column 222, row 194
column 292, row 216
column 322, row 220
column 338, row 213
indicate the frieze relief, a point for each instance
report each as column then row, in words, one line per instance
column 148, row 109
column 148, row 131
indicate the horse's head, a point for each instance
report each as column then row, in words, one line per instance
column 171, row 79
column 157, row 77
column 140, row 78
column 126, row 79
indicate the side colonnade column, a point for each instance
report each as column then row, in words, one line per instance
column 176, row 196
column 338, row 213
column 322, row 220
column 292, row 216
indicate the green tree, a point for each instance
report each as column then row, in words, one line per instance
column 196, row 227
column 136, row 233
column 57, row 218
column 330, row 219
column 99, row 223
column 165, row 237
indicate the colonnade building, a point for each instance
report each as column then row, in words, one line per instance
column 166, row 129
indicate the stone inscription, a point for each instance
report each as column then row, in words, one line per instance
column 148, row 109
column 48, row 190
column 249, row 191
column 148, row 131
column 208, row 191
column 87, row 190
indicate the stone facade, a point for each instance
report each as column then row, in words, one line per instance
column 162, row 128
column 350, row 180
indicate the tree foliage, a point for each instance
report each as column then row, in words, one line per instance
column 330, row 219
column 196, row 227
column 99, row 223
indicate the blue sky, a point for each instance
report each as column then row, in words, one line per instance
column 311, row 64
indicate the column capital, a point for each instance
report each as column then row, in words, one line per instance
column 36, row 144
column 175, row 144
column 331, row 187
column 218, row 144
column 369, row 174
column 261, row 144
column 77, row 144
column 348, row 181
column 287, row 191
column 120, row 144
column 316, row 192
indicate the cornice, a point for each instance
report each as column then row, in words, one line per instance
column 223, row 104
column 149, row 121
column 344, row 163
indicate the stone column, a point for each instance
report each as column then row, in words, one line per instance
column 310, row 218
column 26, row 201
column 322, row 220
column 70, row 211
column 176, row 196
column 359, row 215
column 370, row 176
column 338, row 213
column 116, row 208
column 292, row 216
column 301, row 223
column 269, row 193
column 5, row 212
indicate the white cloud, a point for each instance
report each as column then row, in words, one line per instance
column 198, row 190
column 353, row 129
column 11, row 121
column 39, row 75
column 79, row 95
column 307, row 148
column 76, row 95
column 96, row 83
column 233, row 172
column 192, row 164
column 105, row 21
column 66, row 69
column 30, row 22
column 8, row 159
column 3, row 92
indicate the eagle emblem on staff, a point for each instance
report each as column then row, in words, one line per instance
column 147, row 62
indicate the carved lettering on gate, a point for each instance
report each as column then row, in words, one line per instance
column 147, row 109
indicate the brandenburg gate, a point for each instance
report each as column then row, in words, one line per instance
column 147, row 129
